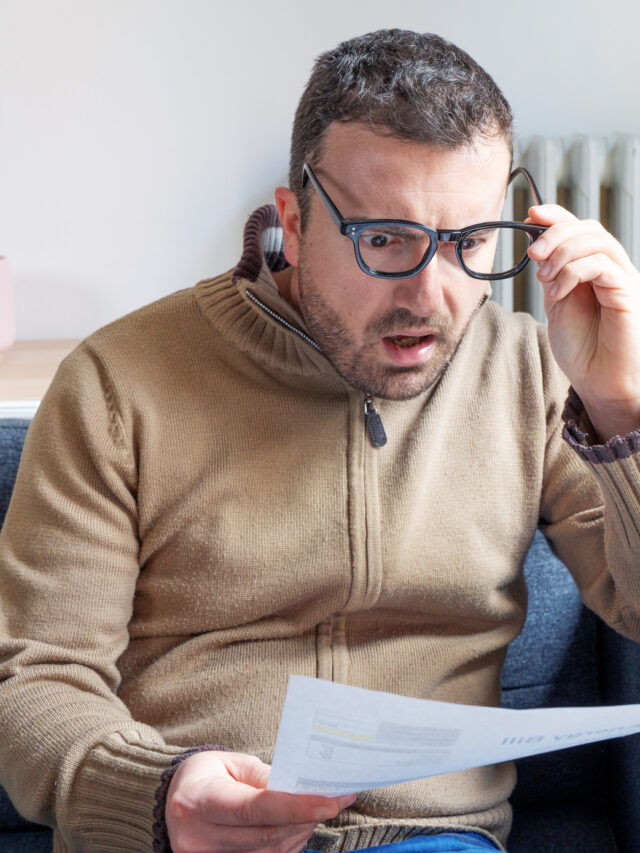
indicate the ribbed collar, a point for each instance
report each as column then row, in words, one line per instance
column 226, row 301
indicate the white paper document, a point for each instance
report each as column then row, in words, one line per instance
column 335, row 739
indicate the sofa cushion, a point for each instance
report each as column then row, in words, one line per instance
column 16, row 834
column 12, row 435
column 556, row 662
column 567, row 827
column 29, row 841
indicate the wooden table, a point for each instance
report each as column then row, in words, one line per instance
column 26, row 371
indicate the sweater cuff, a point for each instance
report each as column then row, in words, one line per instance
column 111, row 796
column 160, row 835
column 580, row 434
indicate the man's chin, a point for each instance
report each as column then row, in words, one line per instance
column 405, row 388
column 395, row 383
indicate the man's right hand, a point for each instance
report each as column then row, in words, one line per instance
column 218, row 801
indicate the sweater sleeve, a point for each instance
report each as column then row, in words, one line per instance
column 590, row 508
column 71, row 756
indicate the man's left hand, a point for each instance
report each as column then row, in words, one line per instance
column 592, row 303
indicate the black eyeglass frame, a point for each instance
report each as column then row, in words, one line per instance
column 353, row 228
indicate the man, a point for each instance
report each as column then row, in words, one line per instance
column 329, row 461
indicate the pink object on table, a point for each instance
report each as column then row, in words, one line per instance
column 7, row 314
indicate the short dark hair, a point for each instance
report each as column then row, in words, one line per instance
column 413, row 86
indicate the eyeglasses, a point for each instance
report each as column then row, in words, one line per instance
column 399, row 248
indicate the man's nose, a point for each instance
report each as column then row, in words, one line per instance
column 422, row 293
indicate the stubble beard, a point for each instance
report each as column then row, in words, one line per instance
column 361, row 365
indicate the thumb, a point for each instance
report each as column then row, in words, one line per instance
column 248, row 769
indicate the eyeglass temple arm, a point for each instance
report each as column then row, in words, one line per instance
column 307, row 173
column 520, row 170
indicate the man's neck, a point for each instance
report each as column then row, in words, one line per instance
column 286, row 284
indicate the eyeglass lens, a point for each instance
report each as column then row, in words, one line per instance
column 494, row 250
column 393, row 248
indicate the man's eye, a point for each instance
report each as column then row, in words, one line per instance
column 478, row 240
column 470, row 243
column 377, row 241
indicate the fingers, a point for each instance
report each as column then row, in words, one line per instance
column 558, row 240
column 574, row 238
column 234, row 803
column 549, row 214
column 237, row 795
column 598, row 270
column 568, row 263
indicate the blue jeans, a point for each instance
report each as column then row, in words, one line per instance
column 445, row 842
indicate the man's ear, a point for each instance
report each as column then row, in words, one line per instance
column 289, row 216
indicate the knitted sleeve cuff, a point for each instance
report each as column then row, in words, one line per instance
column 579, row 433
column 160, row 837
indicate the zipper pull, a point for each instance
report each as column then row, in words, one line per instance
column 374, row 423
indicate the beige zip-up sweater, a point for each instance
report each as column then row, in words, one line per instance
column 200, row 512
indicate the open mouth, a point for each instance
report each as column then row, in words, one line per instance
column 408, row 350
column 407, row 340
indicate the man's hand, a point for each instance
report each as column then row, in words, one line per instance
column 592, row 303
column 217, row 801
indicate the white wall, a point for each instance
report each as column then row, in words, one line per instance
column 136, row 135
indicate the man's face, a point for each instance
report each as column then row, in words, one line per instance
column 392, row 338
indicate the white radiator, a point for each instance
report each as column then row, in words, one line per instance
column 595, row 178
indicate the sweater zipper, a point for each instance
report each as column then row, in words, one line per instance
column 372, row 418
column 374, row 423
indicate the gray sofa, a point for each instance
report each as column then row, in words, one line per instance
column 583, row 799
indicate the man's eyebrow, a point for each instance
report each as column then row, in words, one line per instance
column 390, row 226
column 388, row 220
